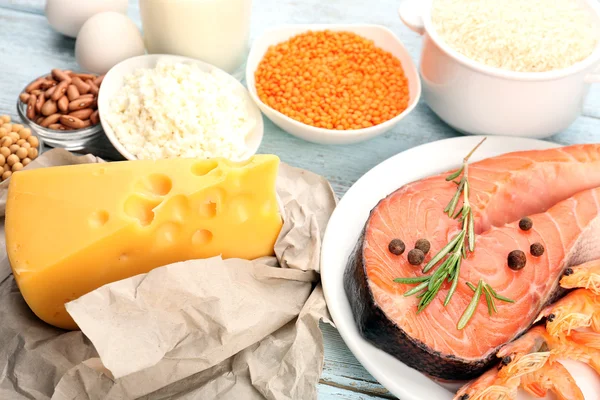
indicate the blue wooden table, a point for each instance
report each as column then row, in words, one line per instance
column 29, row 48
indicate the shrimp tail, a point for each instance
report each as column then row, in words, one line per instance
column 553, row 376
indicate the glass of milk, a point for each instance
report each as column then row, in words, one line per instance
column 213, row 31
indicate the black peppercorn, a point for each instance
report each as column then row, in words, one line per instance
column 516, row 260
column 525, row 224
column 416, row 257
column 464, row 397
column 506, row 360
column 423, row 245
column 568, row 271
column 551, row 317
column 396, row 247
column 536, row 249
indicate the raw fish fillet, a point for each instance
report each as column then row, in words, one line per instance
column 558, row 188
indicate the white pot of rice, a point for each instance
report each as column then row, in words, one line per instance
column 509, row 67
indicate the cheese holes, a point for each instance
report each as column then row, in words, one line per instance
column 202, row 168
column 98, row 218
column 208, row 209
column 201, row 237
column 154, row 185
column 159, row 184
column 141, row 209
column 210, row 206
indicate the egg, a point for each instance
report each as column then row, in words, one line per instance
column 68, row 16
column 105, row 40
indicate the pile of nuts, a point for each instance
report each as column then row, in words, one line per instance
column 63, row 100
column 18, row 147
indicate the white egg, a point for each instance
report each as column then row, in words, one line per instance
column 68, row 16
column 105, row 40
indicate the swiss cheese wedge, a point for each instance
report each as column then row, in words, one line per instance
column 70, row 230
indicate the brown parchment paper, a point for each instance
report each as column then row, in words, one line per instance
column 200, row 329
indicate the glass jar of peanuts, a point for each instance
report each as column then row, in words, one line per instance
column 18, row 147
column 73, row 139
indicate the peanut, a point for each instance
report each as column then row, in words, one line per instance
column 62, row 100
column 93, row 87
column 31, row 106
column 50, row 91
column 85, row 77
column 82, row 114
column 39, row 103
column 48, row 83
column 60, row 75
column 34, row 85
column 49, row 108
column 80, row 104
column 72, row 92
column 63, row 104
column 81, row 85
column 60, row 90
column 49, row 120
column 95, row 118
column 71, row 122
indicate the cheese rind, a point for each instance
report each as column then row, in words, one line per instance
column 70, row 230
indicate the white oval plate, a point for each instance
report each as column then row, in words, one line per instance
column 343, row 231
column 113, row 81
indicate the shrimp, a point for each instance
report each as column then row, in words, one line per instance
column 583, row 276
column 579, row 309
column 519, row 358
column 555, row 377
column 489, row 386
column 531, row 362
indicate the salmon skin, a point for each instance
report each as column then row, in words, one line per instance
column 557, row 188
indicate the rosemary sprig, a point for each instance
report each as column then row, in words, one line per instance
column 450, row 257
column 448, row 260
column 490, row 296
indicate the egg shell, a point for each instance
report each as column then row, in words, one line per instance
column 105, row 40
column 68, row 16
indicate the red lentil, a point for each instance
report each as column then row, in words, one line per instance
column 332, row 80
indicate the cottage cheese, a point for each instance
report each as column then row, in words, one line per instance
column 179, row 110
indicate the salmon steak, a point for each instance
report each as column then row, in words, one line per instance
column 558, row 189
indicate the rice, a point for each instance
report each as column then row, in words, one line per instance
column 179, row 110
column 517, row 35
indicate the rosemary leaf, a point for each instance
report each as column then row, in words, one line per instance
column 416, row 279
column 451, row 207
column 500, row 297
column 443, row 252
column 440, row 274
column 473, row 288
column 468, row 314
column 459, row 212
column 464, row 252
column 416, row 289
column 488, row 295
column 488, row 300
column 451, row 291
column 456, row 174
column 471, row 234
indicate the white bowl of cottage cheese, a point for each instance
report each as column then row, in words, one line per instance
column 162, row 106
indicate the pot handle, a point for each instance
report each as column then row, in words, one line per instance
column 410, row 14
column 594, row 77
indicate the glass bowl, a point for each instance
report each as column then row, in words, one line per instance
column 70, row 140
